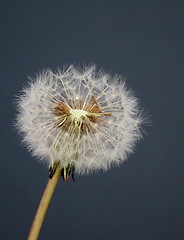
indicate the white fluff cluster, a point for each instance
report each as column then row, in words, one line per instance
column 83, row 118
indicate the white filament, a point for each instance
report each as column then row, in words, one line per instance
column 111, row 140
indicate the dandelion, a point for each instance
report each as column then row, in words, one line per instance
column 79, row 121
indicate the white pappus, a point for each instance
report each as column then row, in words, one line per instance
column 82, row 118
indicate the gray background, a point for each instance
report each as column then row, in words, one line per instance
column 143, row 41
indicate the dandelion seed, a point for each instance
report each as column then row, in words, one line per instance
column 79, row 118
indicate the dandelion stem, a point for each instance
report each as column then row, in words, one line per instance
column 43, row 206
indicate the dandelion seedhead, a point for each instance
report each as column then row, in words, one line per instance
column 83, row 120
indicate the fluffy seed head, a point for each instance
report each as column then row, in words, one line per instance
column 81, row 118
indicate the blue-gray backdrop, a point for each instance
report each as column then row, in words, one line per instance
column 142, row 40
